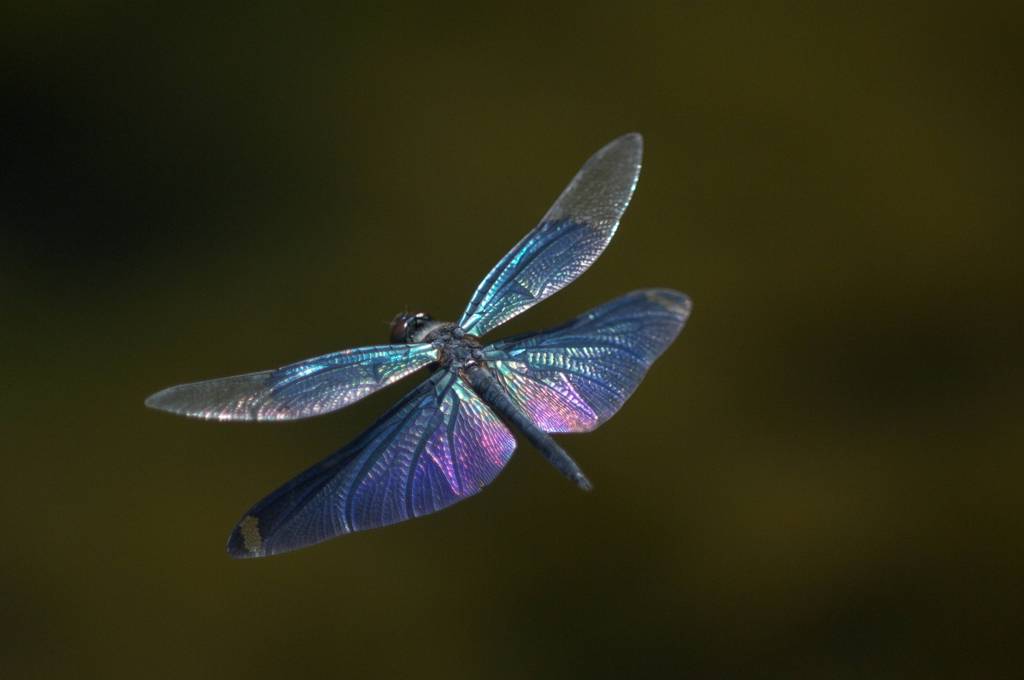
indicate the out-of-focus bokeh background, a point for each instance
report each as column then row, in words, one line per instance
column 820, row 479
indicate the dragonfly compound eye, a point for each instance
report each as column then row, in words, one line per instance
column 405, row 325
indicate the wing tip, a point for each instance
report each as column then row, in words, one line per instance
column 634, row 138
column 246, row 541
column 627, row 149
column 678, row 303
column 632, row 143
column 157, row 401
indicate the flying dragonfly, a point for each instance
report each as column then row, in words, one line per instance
column 449, row 437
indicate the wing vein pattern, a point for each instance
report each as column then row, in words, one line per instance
column 574, row 377
column 568, row 239
column 300, row 390
column 436, row 446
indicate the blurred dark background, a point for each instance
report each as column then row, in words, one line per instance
column 820, row 479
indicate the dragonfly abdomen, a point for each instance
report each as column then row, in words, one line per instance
column 493, row 394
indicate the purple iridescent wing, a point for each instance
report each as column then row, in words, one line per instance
column 572, row 234
column 299, row 390
column 436, row 446
column 574, row 377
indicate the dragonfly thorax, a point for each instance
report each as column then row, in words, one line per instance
column 456, row 348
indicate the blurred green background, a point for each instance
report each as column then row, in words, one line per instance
column 820, row 479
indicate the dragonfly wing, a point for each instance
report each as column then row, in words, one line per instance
column 436, row 446
column 574, row 377
column 300, row 390
column 572, row 234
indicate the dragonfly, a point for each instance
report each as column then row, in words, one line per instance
column 450, row 436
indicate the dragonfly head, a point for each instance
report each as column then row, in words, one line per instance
column 410, row 327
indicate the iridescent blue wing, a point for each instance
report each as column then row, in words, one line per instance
column 574, row 377
column 572, row 234
column 436, row 446
column 299, row 390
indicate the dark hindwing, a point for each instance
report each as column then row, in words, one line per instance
column 436, row 446
column 574, row 377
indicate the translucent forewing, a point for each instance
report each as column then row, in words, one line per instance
column 573, row 233
column 300, row 390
